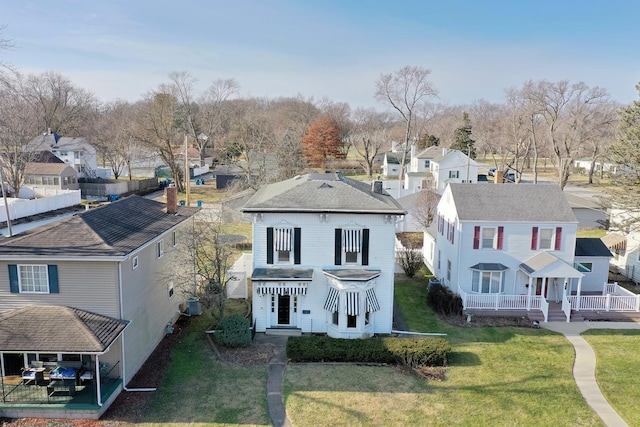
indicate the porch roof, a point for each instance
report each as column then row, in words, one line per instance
column 545, row 264
column 615, row 241
column 282, row 274
column 489, row 266
column 353, row 274
column 53, row 329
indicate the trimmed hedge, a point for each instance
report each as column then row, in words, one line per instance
column 428, row 351
column 233, row 331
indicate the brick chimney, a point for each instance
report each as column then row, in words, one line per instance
column 498, row 177
column 171, row 193
column 376, row 187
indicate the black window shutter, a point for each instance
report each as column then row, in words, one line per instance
column 296, row 245
column 338, row 246
column 365, row 246
column 269, row 245
column 13, row 279
column 53, row 279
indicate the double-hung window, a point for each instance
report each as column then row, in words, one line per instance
column 33, row 279
column 160, row 248
column 488, row 237
column 454, row 174
column 283, row 245
column 546, row 238
column 352, row 246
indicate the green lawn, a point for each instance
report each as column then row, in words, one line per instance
column 199, row 389
column 617, row 371
column 496, row 377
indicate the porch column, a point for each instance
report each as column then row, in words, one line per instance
column 544, row 290
column 529, row 294
column 97, row 376
column 578, row 292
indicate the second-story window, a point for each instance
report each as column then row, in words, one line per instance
column 488, row 237
column 352, row 246
column 283, row 245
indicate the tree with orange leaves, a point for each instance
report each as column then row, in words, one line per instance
column 321, row 141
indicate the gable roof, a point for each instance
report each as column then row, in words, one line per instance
column 44, row 156
column 545, row 264
column 395, row 158
column 55, row 142
column 327, row 192
column 47, row 168
column 511, row 202
column 592, row 246
column 115, row 229
column 448, row 153
column 429, row 152
column 53, row 329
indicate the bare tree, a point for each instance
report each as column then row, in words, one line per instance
column 404, row 91
column 368, row 136
column 425, row 207
column 158, row 127
column 205, row 254
column 214, row 116
column 114, row 137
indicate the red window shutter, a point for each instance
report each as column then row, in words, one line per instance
column 453, row 230
column 534, row 238
column 476, row 237
column 500, row 237
column 558, row 238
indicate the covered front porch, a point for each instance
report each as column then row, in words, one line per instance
column 58, row 362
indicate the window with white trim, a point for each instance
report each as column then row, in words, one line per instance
column 448, row 270
column 33, row 279
column 160, row 248
column 487, row 282
column 174, row 238
column 282, row 241
column 134, row 262
column 170, row 288
column 351, row 245
column 488, row 237
column 545, row 238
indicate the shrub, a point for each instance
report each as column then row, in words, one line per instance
column 410, row 260
column 234, row 331
column 443, row 301
column 414, row 352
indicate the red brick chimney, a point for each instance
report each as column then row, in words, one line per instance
column 171, row 193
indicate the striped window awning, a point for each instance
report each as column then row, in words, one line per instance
column 372, row 301
column 282, row 238
column 281, row 289
column 331, row 304
column 351, row 240
column 353, row 306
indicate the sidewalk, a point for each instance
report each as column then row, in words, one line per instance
column 584, row 367
column 275, row 401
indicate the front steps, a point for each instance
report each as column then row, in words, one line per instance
column 284, row 331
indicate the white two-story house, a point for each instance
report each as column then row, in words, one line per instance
column 513, row 241
column 78, row 153
column 323, row 256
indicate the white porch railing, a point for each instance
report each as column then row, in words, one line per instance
column 503, row 302
column 613, row 298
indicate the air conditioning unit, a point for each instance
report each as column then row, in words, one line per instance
column 193, row 306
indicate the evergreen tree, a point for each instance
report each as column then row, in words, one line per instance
column 462, row 138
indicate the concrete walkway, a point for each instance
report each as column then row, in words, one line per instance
column 275, row 399
column 584, row 367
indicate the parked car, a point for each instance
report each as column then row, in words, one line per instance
column 509, row 176
column 492, row 171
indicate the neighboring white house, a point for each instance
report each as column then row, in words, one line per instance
column 624, row 242
column 76, row 152
column 601, row 166
column 391, row 164
column 452, row 166
column 512, row 246
column 323, row 256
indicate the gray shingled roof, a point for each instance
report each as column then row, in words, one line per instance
column 511, row 202
column 46, row 168
column 52, row 329
column 115, row 229
column 591, row 246
column 298, row 274
column 328, row 192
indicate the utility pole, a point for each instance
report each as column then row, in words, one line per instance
column 186, row 171
column 4, row 197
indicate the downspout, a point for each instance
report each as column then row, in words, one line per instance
column 124, row 366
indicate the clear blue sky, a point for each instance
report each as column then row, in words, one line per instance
column 327, row 48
